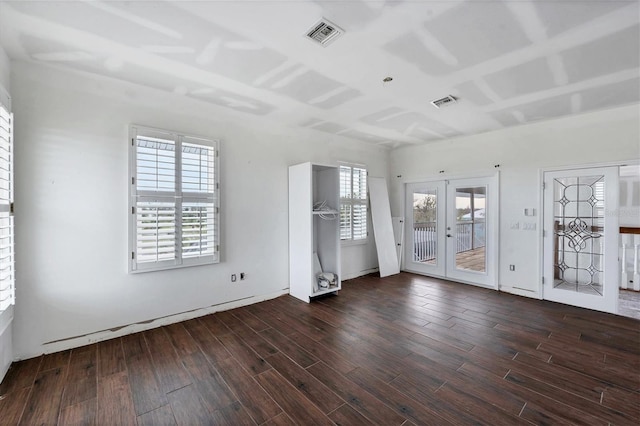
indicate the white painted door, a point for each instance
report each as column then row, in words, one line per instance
column 450, row 229
column 581, row 238
column 424, row 228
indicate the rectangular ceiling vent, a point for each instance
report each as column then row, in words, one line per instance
column 324, row 32
column 443, row 102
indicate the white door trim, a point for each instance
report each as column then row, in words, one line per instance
column 492, row 235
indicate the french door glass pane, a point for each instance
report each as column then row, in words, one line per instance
column 470, row 231
column 425, row 226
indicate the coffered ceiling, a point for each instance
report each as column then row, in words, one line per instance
column 506, row 62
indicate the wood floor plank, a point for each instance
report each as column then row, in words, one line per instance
column 110, row 357
column 299, row 408
column 82, row 363
column 45, row 399
column 322, row 351
column 589, row 407
column 250, row 320
column 232, row 415
column 162, row 416
column 188, row 408
column 488, row 413
column 345, row 415
column 115, row 402
column 82, row 413
column 289, row 348
column 248, row 335
column 81, row 382
column 260, row 406
column 250, row 360
column 357, row 397
column 182, row 341
column 450, row 411
column 21, row 374
column 145, row 388
column 323, row 397
column 55, row 360
column 208, row 383
column 168, row 368
column 12, row 405
column 280, row 420
column 545, row 407
column 622, row 400
column 408, row 407
column 215, row 325
column 80, row 390
column 209, row 344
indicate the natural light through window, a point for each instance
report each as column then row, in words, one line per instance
column 174, row 200
column 353, row 203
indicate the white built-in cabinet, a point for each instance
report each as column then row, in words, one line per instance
column 312, row 232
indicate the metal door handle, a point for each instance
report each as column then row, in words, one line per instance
column 449, row 235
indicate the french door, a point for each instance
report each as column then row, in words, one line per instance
column 581, row 238
column 450, row 228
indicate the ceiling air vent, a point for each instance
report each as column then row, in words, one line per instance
column 324, row 32
column 443, row 102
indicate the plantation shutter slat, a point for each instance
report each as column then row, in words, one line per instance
column 198, row 230
column 7, row 260
column 345, row 221
column 353, row 203
column 156, row 164
column 156, row 233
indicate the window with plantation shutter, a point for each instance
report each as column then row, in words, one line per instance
column 7, row 276
column 174, row 200
column 353, row 203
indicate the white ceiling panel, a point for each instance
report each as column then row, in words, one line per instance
column 475, row 32
column 525, row 78
column 616, row 52
column 560, row 16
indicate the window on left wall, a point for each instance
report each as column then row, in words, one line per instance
column 7, row 261
column 174, row 200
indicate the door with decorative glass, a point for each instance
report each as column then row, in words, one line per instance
column 580, row 238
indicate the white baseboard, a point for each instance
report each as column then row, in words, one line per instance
column 521, row 292
column 98, row 336
column 359, row 274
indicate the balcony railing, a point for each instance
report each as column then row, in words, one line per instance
column 469, row 236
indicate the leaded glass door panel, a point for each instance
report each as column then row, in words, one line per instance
column 581, row 233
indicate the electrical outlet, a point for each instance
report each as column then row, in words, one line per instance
column 233, row 278
column 512, row 267
column 242, row 276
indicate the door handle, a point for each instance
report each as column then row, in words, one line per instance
column 449, row 235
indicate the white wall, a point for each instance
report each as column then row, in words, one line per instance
column 71, row 206
column 6, row 317
column 606, row 136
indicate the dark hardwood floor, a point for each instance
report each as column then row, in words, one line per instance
column 404, row 350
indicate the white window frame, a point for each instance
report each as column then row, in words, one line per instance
column 177, row 197
column 351, row 201
column 7, row 237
